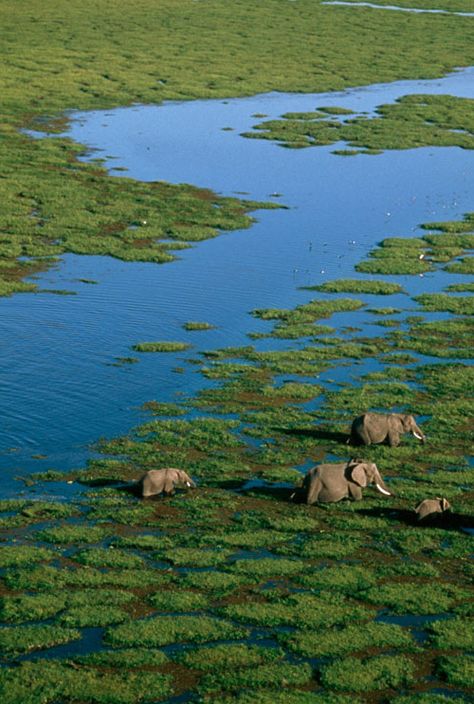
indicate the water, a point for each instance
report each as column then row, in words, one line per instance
column 59, row 389
column 416, row 10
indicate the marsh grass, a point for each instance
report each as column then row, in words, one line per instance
column 161, row 346
column 349, row 639
column 54, row 680
column 376, row 673
column 162, row 630
column 412, row 121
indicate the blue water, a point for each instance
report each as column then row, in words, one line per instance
column 397, row 8
column 59, row 389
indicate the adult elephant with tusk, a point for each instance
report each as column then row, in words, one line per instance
column 374, row 428
column 333, row 482
column 158, row 481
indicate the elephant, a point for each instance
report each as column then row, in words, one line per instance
column 157, row 481
column 333, row 482
column 429, row 507
column 372, row 428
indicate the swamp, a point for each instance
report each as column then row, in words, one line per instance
column 194, row 274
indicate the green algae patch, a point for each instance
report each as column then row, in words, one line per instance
column 282, row 696
column 381, row 672
column 23, row 639
column 267, row 567
column 427, row 698
column 196, row 325
column 165, row 630
column 93, row 615
column 380, row 288
column 415, row 598
column 455, row 634
column 24, row 607
column 174, row 600
column 19, row 555
column 143, row 542
column 129, row 658
column 72, row 534
column 195, row 557
column 108, row 557
column 229, row 656
column 158, row 408
column 219, row 584
column 50, row 681
column 412, row 121
column 460, row 305
column 280, row 674
column 347, row 579
column 45, row 578
column 349, row 639
column 457, row 670
column 302, row 610
column 161, row 346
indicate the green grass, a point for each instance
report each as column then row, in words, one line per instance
column 457, row 670
column 50, row 681
column 412, row 121
column 350, row 639
column 19, row 555
column 23, row 639
column 224, row 657
column 195, row 325
column 282, row 675
column 162, row 630
column 376, row 673
column 358, row 286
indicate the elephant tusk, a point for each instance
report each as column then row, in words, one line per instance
column 418, row 437
column 382, row 490
column 188, row 484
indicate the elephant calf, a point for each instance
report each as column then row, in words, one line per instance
column 373, row 428
column 333, row 482
column 428, row 507
column 157, row 481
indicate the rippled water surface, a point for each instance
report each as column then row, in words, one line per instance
column 60, row 390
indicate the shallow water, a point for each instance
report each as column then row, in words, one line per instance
column 60, row 390
column 416, row 10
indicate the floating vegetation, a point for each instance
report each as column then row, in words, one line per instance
column 197, row 326
column 49, row 681
column 357, row 286
column 162, row 630
column 350, row 639
column 412, row 121
column 161, row 346
column 380, row 672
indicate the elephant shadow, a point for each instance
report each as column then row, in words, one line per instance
column 261, row 489
column 447, row 520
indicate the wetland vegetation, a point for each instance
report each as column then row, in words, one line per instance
column 231, row 590
column 232, row 594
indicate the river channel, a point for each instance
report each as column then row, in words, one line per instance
column 61, row 385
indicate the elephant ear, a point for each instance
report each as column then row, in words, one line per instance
column 358, row 475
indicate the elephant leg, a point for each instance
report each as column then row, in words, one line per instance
column 313, row 490
column 364, row 437
column 355, row 492
column 393, row 438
